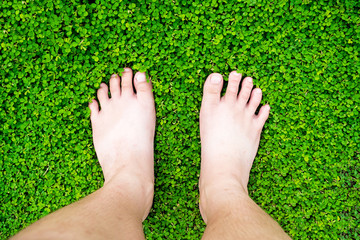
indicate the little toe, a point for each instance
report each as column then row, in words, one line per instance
column 127, row 82
column 212, row 88
column 115, row 85
column 103, row 94
column 94, row 108
column 245, row 91
column 233, row 86
column 143, row 87
column 255, row 100
column 262, row 116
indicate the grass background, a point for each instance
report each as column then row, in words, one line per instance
column 303, row 54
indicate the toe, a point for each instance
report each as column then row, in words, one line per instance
column 127, row 82
column 103, row 94
column 212, row 88
column 94, row 108
column 262, row 116
column 245, row 91
column 115, row 86
column 255, row 100
column 233, row 86
column 143, row 87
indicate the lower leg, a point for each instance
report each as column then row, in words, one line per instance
column 123, row 134
column 230, row 134
column 110, row 212
column 232, row 214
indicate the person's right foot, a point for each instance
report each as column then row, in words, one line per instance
column 230, row 134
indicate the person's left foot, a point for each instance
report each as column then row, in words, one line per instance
column 123, row 132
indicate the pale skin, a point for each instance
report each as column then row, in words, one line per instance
column 123, row 134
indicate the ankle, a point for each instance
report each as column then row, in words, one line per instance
column 227, row 184
column 134, row 191
column 217, row 197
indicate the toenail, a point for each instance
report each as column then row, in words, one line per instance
column 236, row 74
column 249, row 80
column 126, row 69
column 257, row 91
column 215, row 79
column 114, row 75
column 141, row 77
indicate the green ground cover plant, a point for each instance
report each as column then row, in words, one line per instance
column 303, row 54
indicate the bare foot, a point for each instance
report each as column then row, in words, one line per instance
column 123, row 132
column 230, row 134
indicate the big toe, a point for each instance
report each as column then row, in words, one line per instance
column 143, row 87
column 212, row 88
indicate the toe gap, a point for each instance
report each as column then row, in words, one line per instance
column 225, row 85
column 99, row 103
column 133, row 86
column 258, row 109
